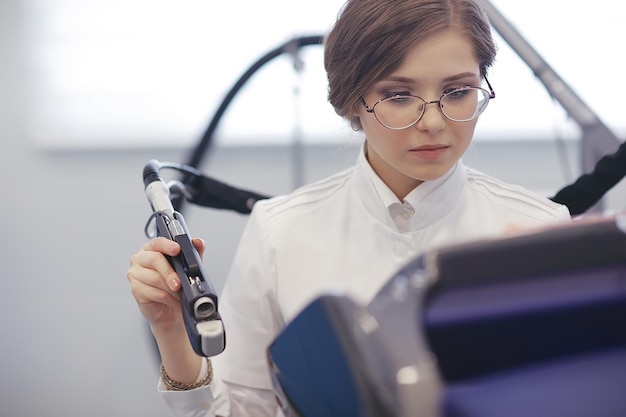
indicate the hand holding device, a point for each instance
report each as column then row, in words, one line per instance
column 198, row 298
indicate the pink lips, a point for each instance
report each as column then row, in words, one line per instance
column 430, row 151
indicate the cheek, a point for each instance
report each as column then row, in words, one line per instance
column 463, row 132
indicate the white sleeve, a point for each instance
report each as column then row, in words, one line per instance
column 199, row 402
column 220, row 399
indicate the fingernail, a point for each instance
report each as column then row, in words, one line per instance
column 175, row 283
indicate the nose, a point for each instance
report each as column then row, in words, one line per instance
column 432, row 120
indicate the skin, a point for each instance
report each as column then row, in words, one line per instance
column 404, row 159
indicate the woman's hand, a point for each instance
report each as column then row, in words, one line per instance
column 155, row 285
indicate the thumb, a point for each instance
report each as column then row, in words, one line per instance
column 199, row 245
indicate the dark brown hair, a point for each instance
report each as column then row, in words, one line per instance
column 371, row 37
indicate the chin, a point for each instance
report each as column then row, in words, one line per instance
column 431, row 174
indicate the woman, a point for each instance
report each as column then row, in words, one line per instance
column 412, row 75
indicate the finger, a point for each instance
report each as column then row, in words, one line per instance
column 146, row 294
column 153, row 268
column 199, row 245
column 163, row 245
column 514, row 228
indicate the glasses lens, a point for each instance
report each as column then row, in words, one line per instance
column 465, row 103
column 399, row 112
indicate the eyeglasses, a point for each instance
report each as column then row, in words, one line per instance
column 402, row 111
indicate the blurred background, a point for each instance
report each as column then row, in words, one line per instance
column 92, row 90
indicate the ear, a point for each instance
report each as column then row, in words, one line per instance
column 355, row 116
column 355, row 111
column 358, row 107
column 355, row 123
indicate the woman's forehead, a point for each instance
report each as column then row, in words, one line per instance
column 445, row 56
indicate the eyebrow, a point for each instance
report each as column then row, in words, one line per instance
column 454, row 77
column 461, row 76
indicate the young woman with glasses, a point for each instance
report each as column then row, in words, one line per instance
column 412, row 76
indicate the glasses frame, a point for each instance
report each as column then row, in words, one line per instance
column 491, row 95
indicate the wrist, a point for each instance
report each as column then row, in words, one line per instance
column 169, row 331
column 178, row 358
column 204, row 378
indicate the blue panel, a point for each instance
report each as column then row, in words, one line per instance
column 312, row 366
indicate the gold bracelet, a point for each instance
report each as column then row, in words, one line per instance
column 179, row 386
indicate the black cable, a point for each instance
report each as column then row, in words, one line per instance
column 588, row 189
column 204, row 146
column 207, row 139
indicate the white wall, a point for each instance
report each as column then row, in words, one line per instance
column 72, row 340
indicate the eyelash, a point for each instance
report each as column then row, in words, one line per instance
column 390, row 93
